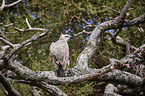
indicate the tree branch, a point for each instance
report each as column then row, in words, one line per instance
column 28, row 23
column 121, row 76
column 30, row 28
column 124, row 10
column 82, row 60
column 111, row 9
column 53, row 90
column 135, row 21
column 32, row 39
column 11, row 91
column 4, row 5
column 7, row 24
column 49, row 76
column 84, row 31
column 6, row 42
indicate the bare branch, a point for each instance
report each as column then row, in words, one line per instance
column 135, row 21
column 124, row 10
column 33, row 38
column 7, row 24
column 127, row 48
column 3, row 4
column 121, row 20
column 82, row 60
column 34, row 91
column 140, row 29
column 28, row 23
column 84, row 31
column 111, row 9
column 49, row 76
column 3, row 35
column 7, row 86
column 89, row 25
column 139, row 49
column 53, row 90
column 6, row 42
column 30, row 28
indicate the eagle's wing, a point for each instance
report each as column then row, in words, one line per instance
column 59, row 53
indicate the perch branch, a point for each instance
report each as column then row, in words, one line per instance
column 49, row 76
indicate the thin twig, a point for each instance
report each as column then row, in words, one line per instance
column 89, row 25
column 6, row 42
column 84, row 31
column 4, row 5
column 7, row 24
column 28, row 23
column 27, row 42
column 11, row 91
column 30, row 28
column 111, row 9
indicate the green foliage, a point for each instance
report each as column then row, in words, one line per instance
column 22, row 88
column 79, row 89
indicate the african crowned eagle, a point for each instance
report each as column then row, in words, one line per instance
column 59, row 54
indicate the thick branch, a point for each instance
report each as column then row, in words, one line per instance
column 49, row 76
column 11, row 91
column 82, row 60
column 122, row 76
column 50, row 88
column 53, row 90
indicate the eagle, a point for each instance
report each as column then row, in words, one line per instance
column 59, row 54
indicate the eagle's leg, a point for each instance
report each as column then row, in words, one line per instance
column 60, row 71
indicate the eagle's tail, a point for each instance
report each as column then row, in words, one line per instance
column 60, row 72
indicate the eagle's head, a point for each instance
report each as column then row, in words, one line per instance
column 64, row 37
